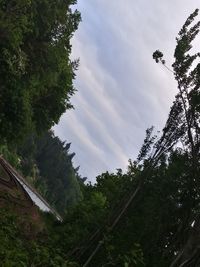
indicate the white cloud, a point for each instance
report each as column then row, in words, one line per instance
column 121, row 91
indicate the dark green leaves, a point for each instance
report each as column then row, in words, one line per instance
column 158, row 56
column 36, row 73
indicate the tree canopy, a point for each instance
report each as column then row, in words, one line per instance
column 47, row 163
column 36, row 73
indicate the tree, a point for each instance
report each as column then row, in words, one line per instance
column 48, row 162
column 187, row 118
column 186, row 73
column 36, row 72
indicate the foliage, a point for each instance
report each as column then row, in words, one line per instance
column 17, row 250
column 48, row 162
column 10, row 155
column 36, row 72
column 185, row 119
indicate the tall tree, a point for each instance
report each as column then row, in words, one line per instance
column 186, row 69
column 36, row 72
column 48, row 161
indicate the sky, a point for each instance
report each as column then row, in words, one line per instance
column 121, row 91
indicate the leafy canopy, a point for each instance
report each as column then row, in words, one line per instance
column 36, row 72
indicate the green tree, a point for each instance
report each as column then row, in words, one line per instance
column 48, row 162
column 36, row 72
column 186, row 69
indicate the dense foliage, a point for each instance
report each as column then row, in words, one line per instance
column 47, row 163
column 18, row 249
column 36, row 72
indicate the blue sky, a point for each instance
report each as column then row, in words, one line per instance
column 121, row 91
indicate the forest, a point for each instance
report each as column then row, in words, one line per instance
column 148, row 215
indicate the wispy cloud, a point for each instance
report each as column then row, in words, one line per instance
column 121, row 91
